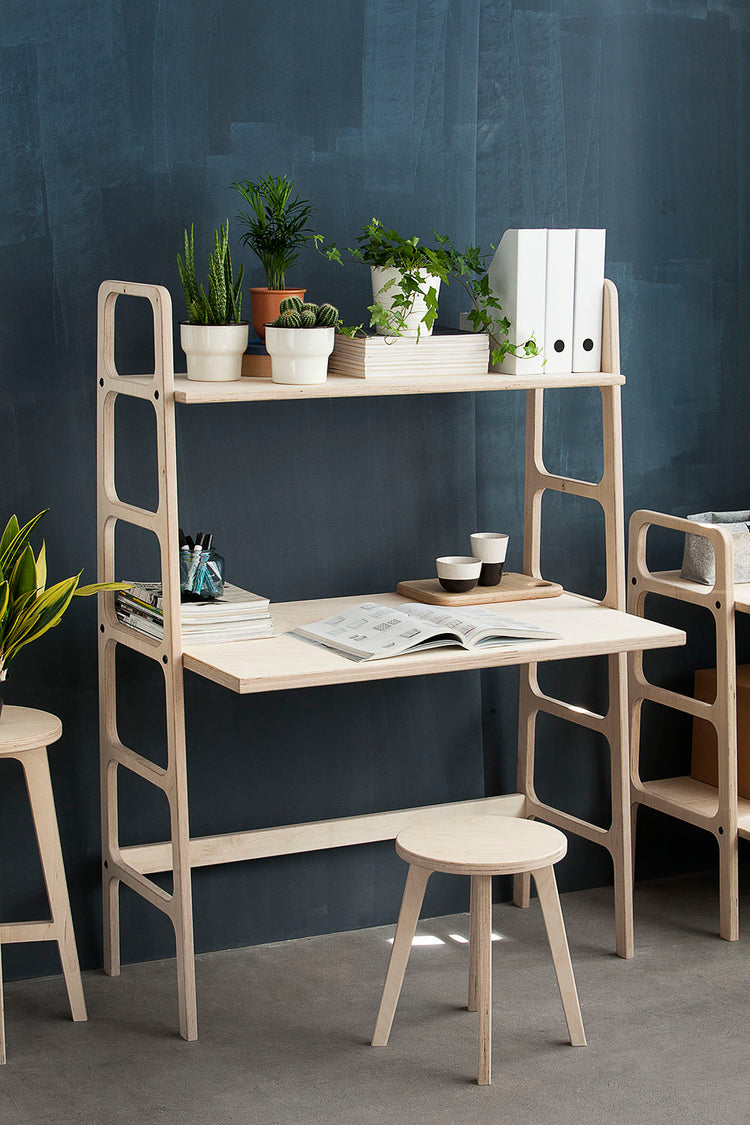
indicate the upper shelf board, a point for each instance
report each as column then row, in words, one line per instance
column 253, row 389
column 281, row 662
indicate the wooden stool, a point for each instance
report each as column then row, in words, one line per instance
column 25, row 734
column 480, row 846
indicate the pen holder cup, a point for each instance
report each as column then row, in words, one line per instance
column 201, row 576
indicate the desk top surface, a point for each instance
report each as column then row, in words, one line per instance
column 282, row 662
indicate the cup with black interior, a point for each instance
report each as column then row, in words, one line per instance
column 491, row 547
column 458, row 573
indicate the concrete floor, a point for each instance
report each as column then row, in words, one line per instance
column 284, row 1030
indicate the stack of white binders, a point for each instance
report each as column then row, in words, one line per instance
column 551, row 285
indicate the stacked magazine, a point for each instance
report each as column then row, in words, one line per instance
column 443, row 353
column 373, row 631
column 237, row 615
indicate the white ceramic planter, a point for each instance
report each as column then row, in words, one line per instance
column 299, row 355
column 384, row 292
column 214, row 351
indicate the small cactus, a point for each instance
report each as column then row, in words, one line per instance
column 291, row 319
column 307, row 318
column 290, row 304
column 309, row 306
column 327, row 316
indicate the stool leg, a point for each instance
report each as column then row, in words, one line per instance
column 483, row 904
column 546, row 887
column 36, row 769
column 472, row 1004
column 411, row 904
column 2, row 1020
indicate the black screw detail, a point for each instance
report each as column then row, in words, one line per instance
column 633, row 581
column 156, row 394
column 101, row 382
column 101, row 628
column 165, row 659
column 718, row 605
column 721, row 831
column 106, row 865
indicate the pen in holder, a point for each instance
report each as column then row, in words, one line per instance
column 201, row 571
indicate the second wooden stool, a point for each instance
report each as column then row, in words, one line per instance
column 480, row 846
column 25, row 734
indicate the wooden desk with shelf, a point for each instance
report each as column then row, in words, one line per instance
column 588, row 628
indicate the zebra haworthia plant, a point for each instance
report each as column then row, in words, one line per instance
column 294, row 313
column 223, row 302
column 28, row 608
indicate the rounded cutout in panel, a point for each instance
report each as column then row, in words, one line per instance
column 674, row 668
column 572, row 445
column 573, row 543
column 134, row 336
column 572, row 770
column 136, row 465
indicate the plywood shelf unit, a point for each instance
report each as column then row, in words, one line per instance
column 720, row 810
column 587, row 627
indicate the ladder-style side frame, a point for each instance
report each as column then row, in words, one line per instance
column 717, row 816
column 613, row 725
column 158, row 389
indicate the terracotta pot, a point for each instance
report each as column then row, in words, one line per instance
column 266, row 303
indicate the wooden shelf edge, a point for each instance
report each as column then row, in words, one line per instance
column 254, row 389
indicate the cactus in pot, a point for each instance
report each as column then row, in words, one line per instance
column 300, row 341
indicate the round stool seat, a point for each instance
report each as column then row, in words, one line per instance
column 481, row 845
column 25, row 728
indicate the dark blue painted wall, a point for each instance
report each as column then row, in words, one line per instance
column 122, row 122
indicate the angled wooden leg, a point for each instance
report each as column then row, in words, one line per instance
column 472, row 1004
column 522, row 890
column 36, row 769
column 2, row 1020
column 546, row 886
column 483, row 903
column 411, row 904
column 729, row 906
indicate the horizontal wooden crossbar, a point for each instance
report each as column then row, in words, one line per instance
column 312, row 836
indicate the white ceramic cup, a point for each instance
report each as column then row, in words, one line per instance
column 491, row 547
column 458, row 573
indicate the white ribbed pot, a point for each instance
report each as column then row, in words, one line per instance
column 384, row 293
column 299, row 355
column 214, row 351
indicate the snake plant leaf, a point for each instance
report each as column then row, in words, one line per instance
column 10, row 555
column 10, row 532
column 41, row 569
column 23, row 578
column 97, row 587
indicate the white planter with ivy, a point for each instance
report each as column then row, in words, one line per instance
column 300, row 341
column 403, row 297
column 214, row 337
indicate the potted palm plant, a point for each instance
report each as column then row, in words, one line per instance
column 27, row 607
column 277, row 228
column 300, row 341
column 214, row 337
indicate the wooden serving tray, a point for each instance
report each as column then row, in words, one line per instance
column 512, row 588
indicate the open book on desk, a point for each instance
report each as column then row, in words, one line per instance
column 371, row 631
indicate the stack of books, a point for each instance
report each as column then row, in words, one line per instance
column 443, row 353
column 236, row 616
